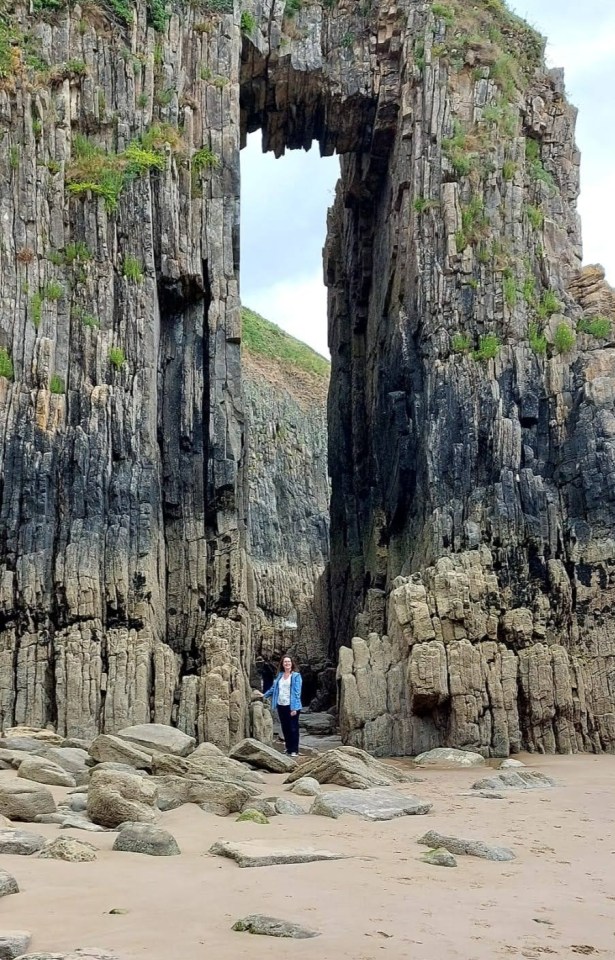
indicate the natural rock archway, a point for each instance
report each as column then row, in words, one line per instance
column 471, row 404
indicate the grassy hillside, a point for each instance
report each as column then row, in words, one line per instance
column 263, row 338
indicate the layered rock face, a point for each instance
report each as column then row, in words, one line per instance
column 471, row 406
column 285, row 390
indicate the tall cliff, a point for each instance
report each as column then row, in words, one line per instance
column 285, row 390
column 470, row 411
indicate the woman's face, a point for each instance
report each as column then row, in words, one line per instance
column 287, row 664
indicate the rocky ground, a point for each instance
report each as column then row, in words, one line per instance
column 383, row 890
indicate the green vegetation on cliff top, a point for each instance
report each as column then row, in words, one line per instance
column 261, row 337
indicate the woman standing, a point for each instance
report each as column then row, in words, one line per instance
column 286, row 697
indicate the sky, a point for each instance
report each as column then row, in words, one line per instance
column 285, row 201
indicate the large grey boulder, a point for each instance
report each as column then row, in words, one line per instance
column 305, row 787
column 13, row 943
column 69, row 849
column 263, row 756
column 8, row 884
column 448, row 757
column 350, row 767
column 288, row 808
column 209, row 767
column 25, row 801
column 158, row 738
column 515, row 780
column 108, row 749
column 73, row 760
column 212, row 796
column 273, row 927
column 372, row 804
column 20, row 842
column 143, row 838
column 115, row 797
column 261, row 854
column 42, row 770
column 466, row 848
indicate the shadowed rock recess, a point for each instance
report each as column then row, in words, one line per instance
column 471, row 401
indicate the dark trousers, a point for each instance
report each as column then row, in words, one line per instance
column 290, row 728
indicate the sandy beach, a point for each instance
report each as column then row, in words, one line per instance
column 556, row 899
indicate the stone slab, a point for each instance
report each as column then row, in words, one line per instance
column 250, row 854
column 374, row 804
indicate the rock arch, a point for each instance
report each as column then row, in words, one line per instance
column 472, row 509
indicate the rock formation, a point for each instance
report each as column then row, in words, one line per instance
column 285, row 391
column 470, row 412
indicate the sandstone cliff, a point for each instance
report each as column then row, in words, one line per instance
column 285, row 390
column 471, row 407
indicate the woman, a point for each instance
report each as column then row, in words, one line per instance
column 286, row 697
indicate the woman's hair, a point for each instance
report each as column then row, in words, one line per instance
column 292, row 663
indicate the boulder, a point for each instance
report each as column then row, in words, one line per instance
column 13, row 943
column 272, row 927
column 252, row 815
column 306, row 787
column 263, row 756
column 158, row 738
column 206, row 750
column 143, row 838
column 24, row 745
column 76, row 822
column 42, row 736
column 261, row 854
column 42, row 770
column 73, row 760
column 12, row 758
column 108, row 749
column 440, row 857
column 449, row 758
column 372, row 804
column 20, row 842
column 317, row 724
column 515, row 780
column 212, row 796
column 266, row 807
column 77, row 743
column 510, row 763
column 114, row 797
column 288, row 808
column 210, row 767
column 8, row 884
column 24, row 801
column 78, row 803
column 351, row 767
column 69, row 849
column 466, row 848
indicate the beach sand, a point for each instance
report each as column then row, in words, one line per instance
column 555, row 900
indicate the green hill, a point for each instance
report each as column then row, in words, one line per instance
column 260, row 336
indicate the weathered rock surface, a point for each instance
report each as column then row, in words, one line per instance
column 20, row 842
column 510, row 763
column 25, row 801
column 288, row 808
column 440, row 857
column 75, row 822
column 252, row 815
column 13, row 943
column 273, row 927
column 8, row 884
column 72, row 759
column 515, row 780
column 69, row 849
column 42, row 770
column 288, row 484
column 350, row 767
column 263, row 756
column 210, row 767
column 252, row 854
column 213, row 796
column 466, row 848
column 116, row 797
column 158, row 738
column 143, row 838
column 109, row 749
column 449, row 758
column 372, row 804
column 306, row 787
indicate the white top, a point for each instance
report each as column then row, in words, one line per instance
column 284, row 692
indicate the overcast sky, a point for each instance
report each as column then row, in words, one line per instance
column 285, row 201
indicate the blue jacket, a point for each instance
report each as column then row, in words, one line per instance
column 295, row 691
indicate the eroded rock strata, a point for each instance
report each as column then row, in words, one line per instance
column 471, row 403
